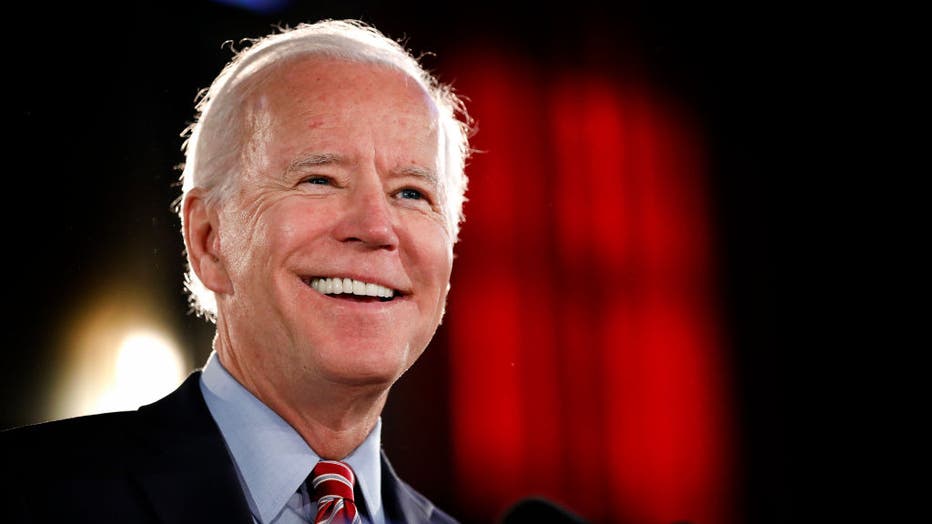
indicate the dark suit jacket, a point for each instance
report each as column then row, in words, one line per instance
column 166, row 462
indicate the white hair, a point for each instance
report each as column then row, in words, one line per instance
column 213, row 148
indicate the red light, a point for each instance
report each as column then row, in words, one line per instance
column 586, row 365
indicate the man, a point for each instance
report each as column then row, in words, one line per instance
column 321, row 200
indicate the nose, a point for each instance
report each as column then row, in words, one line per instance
column 367, row 219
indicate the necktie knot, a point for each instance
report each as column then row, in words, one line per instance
column 332, row 483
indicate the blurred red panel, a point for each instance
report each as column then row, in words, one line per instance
column 586, row 363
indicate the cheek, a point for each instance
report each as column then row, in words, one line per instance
column 237, row 249
column 432, row 255
column 252, row 240
column 287, row 234
column 296, row 224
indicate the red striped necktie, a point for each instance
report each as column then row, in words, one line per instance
column 332, row 485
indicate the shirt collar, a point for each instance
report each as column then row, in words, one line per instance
column 270, row 456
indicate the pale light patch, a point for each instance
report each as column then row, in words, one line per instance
column 117, row 357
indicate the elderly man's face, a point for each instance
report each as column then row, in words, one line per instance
column 339, row 185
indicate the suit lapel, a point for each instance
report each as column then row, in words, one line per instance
column 187, row 473
column 401, row 505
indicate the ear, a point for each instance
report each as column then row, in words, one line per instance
column 202, row 241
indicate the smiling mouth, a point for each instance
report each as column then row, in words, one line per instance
column 348, row 288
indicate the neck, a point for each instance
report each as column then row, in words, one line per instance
column 333, row 424
column 333, row 418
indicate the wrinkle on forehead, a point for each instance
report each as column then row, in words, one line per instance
column 308, row 85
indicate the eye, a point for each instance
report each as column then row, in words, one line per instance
column 318, row 180
column 411, row 194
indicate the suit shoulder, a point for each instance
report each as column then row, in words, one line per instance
column 76, row 428
column 108, row 433
column 70, row 442
column 66, row 425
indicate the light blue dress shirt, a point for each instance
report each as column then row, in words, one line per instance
column 272, row 460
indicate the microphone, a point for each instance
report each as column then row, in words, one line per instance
column 536, row 510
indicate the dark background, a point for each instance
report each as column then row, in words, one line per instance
column 97, row 99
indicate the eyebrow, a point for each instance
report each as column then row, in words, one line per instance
column 324, row 159
column 316, row 159
column 427, row 175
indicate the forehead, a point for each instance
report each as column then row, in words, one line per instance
column 325, row 85
column 359, row 111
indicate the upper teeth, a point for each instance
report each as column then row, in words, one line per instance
column 336, row 286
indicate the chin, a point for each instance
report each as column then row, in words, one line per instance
column 363, row 377
column 373, row 354
column 366, row 369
